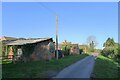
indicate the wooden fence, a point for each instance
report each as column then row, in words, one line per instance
column 13, row 58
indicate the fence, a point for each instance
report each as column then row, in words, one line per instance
column 12, row 58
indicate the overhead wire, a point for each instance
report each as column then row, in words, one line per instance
column 50, row 10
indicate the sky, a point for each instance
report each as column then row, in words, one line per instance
column 76, row 20
column 60, row 0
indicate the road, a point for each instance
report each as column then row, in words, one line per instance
column 80, row 69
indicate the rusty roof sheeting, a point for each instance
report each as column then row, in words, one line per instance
column 27, row 41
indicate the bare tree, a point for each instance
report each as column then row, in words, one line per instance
column 92, row 42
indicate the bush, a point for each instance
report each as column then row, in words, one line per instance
column 92, row 50
column 60, row 54
column 118, row 55
column 108, row 52
column 66, row 49
column 81, row 50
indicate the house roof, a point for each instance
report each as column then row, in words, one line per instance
column 7, row 41
column 8, row 38
column 83, row 45
column 28, row 41
column 74, row 44
column 65, row 42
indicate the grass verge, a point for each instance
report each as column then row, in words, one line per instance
column 105, row 68
column 38, row 69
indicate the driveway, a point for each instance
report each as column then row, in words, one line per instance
column 80, row 69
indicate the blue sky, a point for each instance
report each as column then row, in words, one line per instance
column 76, row 21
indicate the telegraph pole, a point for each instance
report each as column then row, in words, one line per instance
column 56, row 28
column 56, row 37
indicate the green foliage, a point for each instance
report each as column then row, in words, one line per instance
column 66, row 48
column 109, row 42
column 92, row 46
column 92, row 50
column 3, row 50
column 91, row 40
column 86, row 48
column 5, row 61
column 111, row 49
column 107, row 52
column 14, row 48
column 0, row 50
column 81, row 51
column 8, row 49
column 98, row 50
column 28, row 49
column 118, row 55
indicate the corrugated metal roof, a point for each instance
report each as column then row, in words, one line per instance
column 27, row 41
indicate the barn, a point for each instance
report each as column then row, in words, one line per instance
column 31, row 49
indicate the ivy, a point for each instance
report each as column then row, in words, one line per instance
column 14, row 48
column 3, row 50
column 8, row 50
column 28, row 49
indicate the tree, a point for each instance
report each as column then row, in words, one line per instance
column 109, row 42
column 66, row 47
column 92, row 45
column 111, row 48
column 92, row 42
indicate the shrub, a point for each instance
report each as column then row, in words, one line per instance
column 118, row 55
column 66, row 49
column 108, row 52
column 81, row 50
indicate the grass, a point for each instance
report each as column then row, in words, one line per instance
column 5, row 61
column 38, row 69
column 0, row 53
column 105, row 68
column 0, row 50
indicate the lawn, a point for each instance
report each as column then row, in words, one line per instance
column 38, row 69
column 0, row 50
column 105, row 68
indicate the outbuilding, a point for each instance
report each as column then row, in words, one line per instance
column 32, row 49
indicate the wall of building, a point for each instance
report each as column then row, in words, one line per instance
column 74, row 50
column 42, row 52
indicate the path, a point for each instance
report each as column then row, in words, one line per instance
column 80, row 69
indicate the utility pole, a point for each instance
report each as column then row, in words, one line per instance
column 57, row 37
